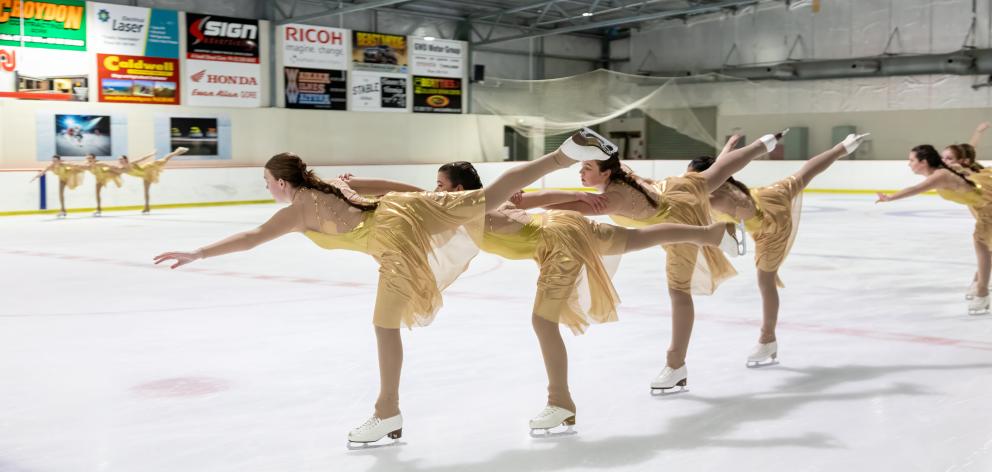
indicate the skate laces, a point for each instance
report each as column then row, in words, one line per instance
column 369, row 424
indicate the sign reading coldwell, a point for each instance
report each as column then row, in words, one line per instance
column 138, row 79
column 135, row 31
column 54, row 24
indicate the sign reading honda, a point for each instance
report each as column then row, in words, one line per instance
column 53, row 24
column 437, row 57
column 138, row 79
column 222, row 84
column 315, row 47
column 371, row 91
column 437, row 95
column 135, row 31
column 378, row 52
column 316, row 88
column 221, row 38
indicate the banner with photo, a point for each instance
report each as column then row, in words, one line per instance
column 316, row 88
column 44, row 74
column 314, row 47
column 222, row 84
column 73, row 135
column 135, row 31
column 371, row 91
column 378, row 52
column 138, row 79
column 52, row 24
column 222, row 38
column 437, row 95
column 438, row 57
column 207, row 137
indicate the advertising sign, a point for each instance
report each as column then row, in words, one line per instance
column 138, row 79
column 437, row 95
column 222, row 84
column 378, row 52
column 53, row 24
column 314, row 47
column 135, row 31
column 44, row 74
column 316, row 88
column 221, row 38
column 372, row 91
column 437, row 58
column 207, row 137
column 74, row 135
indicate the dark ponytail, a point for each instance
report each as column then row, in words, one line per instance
column 618, row 174
column 926, row 152
column 289, row 167
column 462, row 173
column 702, row 163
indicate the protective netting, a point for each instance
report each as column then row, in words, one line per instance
column 537, row 108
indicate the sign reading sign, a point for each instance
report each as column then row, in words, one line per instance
column 221, row 38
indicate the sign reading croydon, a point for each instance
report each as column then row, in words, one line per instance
column 53, row 24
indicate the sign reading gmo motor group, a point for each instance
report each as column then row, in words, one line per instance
column 221, row 38
column 53, row 24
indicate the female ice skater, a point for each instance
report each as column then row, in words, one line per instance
column 148, row 173
column 416, row 237
column 634, row 201
column 574, row 287
column 104, row 174
column 771, row 216
column 70, row 175
column 973, row 189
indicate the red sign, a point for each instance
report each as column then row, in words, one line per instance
column 138, row 79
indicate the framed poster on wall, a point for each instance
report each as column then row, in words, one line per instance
column 74, row 135
column 207, row 137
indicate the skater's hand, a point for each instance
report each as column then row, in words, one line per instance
column 180, row 150
column 852, row 141
column 731, row 143
column 181, row 258
column 883, row 197
column 983, row 127
column 346, row 176
column 517, row 199
column 597, row 201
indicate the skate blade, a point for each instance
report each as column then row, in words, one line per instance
column 682, row 386
column 760, row 364
column 978, row 312
column 544, row 433
column 365, row 446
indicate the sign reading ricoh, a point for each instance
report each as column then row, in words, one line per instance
column 53, row 24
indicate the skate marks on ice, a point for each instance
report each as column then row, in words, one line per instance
column 705, row 429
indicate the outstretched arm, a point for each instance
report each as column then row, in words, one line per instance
column 284, row 221
column 548, row 198
column 377, row 187
column 41, row 173
column 976, row 136
column 144, row 158
column 929, row 183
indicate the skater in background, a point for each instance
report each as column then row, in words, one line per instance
column 104, row 174
column 973, row 189
column 70, row 175
column 417, row 238
column 634, row 201
column 148, row 173
column 771, row 216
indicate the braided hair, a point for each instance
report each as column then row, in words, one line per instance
column 289, row 167
column 462, row 173
column 702, row 163
column 926, row 152
column 619, row 174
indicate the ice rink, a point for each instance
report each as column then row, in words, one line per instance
column 264, row 361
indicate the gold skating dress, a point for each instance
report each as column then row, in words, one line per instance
column 977, row 199
column 422, row 241
column 775, row 222
column 684, row 199
column 70, row 174
column 147, row 172
column 574, row 286
column 105, row 174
